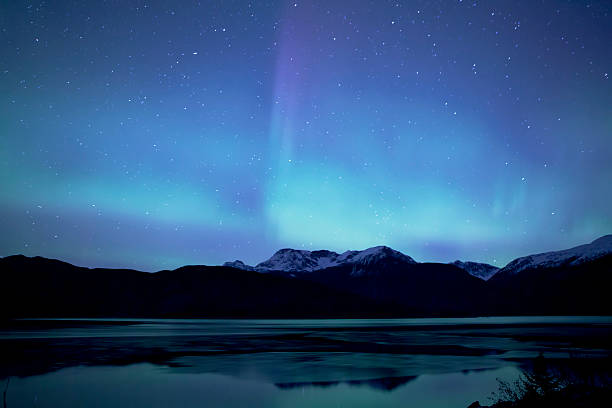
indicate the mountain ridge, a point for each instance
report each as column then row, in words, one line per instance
column 573, row 256
column 377, row 282
column 301, row 261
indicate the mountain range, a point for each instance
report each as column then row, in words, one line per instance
column 376, row 282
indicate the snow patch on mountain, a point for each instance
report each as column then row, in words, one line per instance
column 480, row 270
column 569, row 257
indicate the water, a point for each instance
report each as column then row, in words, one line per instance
column 282, row 363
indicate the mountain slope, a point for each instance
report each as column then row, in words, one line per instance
column 581, row 289
column 569, row 257
column 384, row 275
column 480, row 270
column 572, row 281
column 422, row 289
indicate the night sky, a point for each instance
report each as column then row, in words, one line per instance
column 153, row 134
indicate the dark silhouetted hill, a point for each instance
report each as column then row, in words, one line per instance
column 376, row 282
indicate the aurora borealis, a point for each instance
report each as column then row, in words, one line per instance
column 153, row 134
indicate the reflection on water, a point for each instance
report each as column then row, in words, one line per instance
column 386, row 384
column 145, row 385
column 268, row 363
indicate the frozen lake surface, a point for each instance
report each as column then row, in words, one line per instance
column 281, row 363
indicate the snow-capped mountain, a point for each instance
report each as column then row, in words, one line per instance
column 295, row 260
column 480, row 270
column 569, row 257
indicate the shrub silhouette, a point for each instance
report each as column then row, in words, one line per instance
column 542, row 386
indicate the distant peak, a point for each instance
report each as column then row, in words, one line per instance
column 299, row 260
column 602, row 246
column 381, row 248
column 378, row 252
column 238, row 264
column 286, row 250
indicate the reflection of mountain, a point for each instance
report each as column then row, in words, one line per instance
column 376, row 282
column 384, row 384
